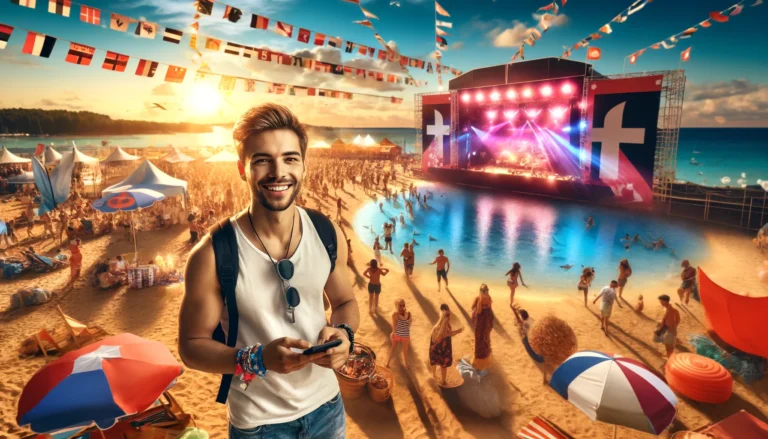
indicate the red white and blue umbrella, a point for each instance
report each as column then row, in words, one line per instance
column 616, row 390
column 99, row 383
column 129, row 200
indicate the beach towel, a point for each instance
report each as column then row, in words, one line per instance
column 11, row 269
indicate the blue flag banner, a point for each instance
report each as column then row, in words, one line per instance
column 54, row 187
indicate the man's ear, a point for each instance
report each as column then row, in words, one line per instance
column 241, row 170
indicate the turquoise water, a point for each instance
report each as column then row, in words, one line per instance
column 483, row 234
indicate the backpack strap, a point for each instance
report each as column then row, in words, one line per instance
column 227, row 265
column 327, row 234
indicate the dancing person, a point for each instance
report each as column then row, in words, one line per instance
column 401, row 331
column 666, row 330
column 276, row 388
column 514, row 274
column 608, row 294
column 377, row 248
column 688, row 276
column 374, row 273
column 482, row 317
column 624, row 272
column 440, row 345
column 443, row 267
column 585, row 281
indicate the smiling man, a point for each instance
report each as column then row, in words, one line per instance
column 282, row 265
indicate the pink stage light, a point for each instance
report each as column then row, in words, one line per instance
column 509, row 114
column 479, row 97
column 532, row 113
column 546, row 91
column 511, row 94
column 567, row 88
column 527, row 93
column 495, row 96
column 465, row 98
column 557, row 113
column 583, row 105
column 491, row 114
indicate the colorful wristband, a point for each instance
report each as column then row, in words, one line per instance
column 350, row 335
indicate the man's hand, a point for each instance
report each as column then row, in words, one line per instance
column 278, row 357
column 336, row 357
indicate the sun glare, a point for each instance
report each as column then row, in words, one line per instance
column 204, row 100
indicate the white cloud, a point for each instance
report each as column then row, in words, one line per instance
column 458, row 45
column 736, row 103
column 502, row 33
column 510, row 37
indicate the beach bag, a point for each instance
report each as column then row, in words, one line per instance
column 227, row 266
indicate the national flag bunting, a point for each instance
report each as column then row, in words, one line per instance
column 146, row 29
column 705, row 24
column 284, row 29
column 60, row 7
column 688, row 33
column 666, row 45
column 90, row 15
column 447, row 24
column 619, row 18
column 227, row 84
column 319, row 39
column 39, row 149
column 212, row 44
column 334, row 42
column 686, row 55
column 233, row 14
column 115, row 62
column 304, row 35
column 205, row 7
column 718, row 17
column 5, row 34
column 146, row 68
column 362, row 50
column 26, row 3
column 366, row 23
column 593, row 53
column 440, row 10
column 172, row 35
column 633, row 58
column 737, row 8
column 233, row 49
column 440, row 32
column 80, row 54
column 397, row 100
column 119, row 22
column 175, row 74
column 368, row 14
column 250, row 86
column 349, row 47
column 259, row 22
column 636, row 6
column 38, row 44
column 442, row 43
column 606, row 29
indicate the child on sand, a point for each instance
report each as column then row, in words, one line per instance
column 639, row 306
column 374, row 273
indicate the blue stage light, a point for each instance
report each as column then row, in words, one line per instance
column 567, row 129
column 583, row 125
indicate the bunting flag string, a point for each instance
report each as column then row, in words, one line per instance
column 716, row 16
column 606, row 29
column 552, row 9
column 41, row 45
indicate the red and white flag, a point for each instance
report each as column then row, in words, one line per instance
column 686, row 55
column 259, row 22
column 440, row 10
column 60, row 7
column 366, row 23
column 26, row 3
column 284, row 29
column 304, row 35
column 119, row 22
column 146, row 68
column 606, row 29
column 90, row 15
column 80, row 54
column 593, row 53
column 718, row 17
column 736, row 10
column 633, row 58
column 688, row 33
column 5, row 34
column 38, row 44
column 319, row 39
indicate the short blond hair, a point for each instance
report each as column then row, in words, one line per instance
column 267, row 117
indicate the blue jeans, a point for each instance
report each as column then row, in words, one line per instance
column 327, row 422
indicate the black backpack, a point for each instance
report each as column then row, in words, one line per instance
column 227, row 265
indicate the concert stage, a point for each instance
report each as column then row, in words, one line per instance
column 555, row 128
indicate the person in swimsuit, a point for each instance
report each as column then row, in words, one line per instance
column 401, row 331
column 75, row 262
column 514, row 274
column 587, row 276
column 440, row 347
column 443, row 266
column 624, row 272
column 388, row 237
column 339, row 204
column 608, row 294
column 667, row 328
column 374, row 273
column 377, row 248
column 688, row 276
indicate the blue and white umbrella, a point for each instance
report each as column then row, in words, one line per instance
column 616, row 390
column 127, row 201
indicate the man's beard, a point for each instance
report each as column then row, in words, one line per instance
column 283, row 205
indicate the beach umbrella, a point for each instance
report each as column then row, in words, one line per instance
column 99, row 383
column 616, row 390
column 127, row 201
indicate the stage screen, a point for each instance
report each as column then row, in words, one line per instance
column 623, row 116
column 436, row 130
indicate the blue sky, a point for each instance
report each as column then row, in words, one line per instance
column 727, row 81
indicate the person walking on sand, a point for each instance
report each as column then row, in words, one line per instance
column 443, row 267
column 374, row 273
column 388, row 237
column 624, row 272
column 688, row 276
column 482, row 317
column 666, row 330
column 377, row 248
column 339, row 204
column 585, row 281
column 401, row 331
column 514, row 274
column 75, row 262
column 440, row 345
column 409, row 259
column 608, row 294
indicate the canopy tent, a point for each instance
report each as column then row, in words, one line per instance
column 338, row 143
column 223, row 157
column 386, row 142
column 9, row 158
column 148, row 176
column 51, row 155
column 368, row 141
column 177, row 156
column 25, row 178
column 118, row 155
column 82, row 158
column 735, row 317
column 357, row 140
column 320, row 144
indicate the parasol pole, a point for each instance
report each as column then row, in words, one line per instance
column 135, row 249
column 615, row 428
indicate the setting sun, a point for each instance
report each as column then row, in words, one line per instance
column 203, row 99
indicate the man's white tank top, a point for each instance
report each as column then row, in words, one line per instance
column 263, row 317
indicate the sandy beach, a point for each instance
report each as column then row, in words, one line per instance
column 419, row 407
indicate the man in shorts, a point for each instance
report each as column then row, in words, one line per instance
column 688, row 276
column 443, row 266
column 388, row 237
column 667, row 328
column 606, row 306
column 408, row 259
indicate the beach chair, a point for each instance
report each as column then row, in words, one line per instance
column 541, row 428
column 72, row 335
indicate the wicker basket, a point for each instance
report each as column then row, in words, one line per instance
column 382, row 395
column 354, row 388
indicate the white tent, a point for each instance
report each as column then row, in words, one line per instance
column 357, row 140
column 9, row 158
column 368, row 141
column 118, row 155
column 177, row 157
column 25, row 178
column 51, row 155
column 320, row 144
column 148, row 176
column 82, row 158
column 223, row 157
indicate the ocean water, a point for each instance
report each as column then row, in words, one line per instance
column 483, row 234
column 721, row 152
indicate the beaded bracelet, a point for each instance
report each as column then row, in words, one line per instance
column 249, row 364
